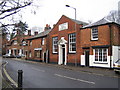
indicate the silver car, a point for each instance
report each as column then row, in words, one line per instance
column 117, row 66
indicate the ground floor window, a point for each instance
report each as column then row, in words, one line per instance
column 101, row 55
column 38, row 53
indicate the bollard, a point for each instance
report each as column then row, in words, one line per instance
column 20, row 79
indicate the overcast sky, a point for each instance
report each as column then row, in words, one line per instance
column 50, row 11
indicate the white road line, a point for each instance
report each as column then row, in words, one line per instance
column 85, row 81
column 7, row 75
column 38, row 69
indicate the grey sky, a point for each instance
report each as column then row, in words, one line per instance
column 50, row 11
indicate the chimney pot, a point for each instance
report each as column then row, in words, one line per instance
column 29, row 32
column 35, row 33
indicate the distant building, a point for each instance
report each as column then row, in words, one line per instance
column 18, row 45
column 38, row 46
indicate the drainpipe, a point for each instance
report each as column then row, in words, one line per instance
column 110, row 46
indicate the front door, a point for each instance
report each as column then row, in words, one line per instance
column 63, row 53
column 45, row 57
column 87, row 58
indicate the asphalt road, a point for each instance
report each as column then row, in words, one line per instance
column 36, row 75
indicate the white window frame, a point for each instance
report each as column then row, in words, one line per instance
column 15, row 42
column 43, row 41
column 70, row 43
column 94, row 33
column 102, row 61
column 54, row 43
column 24, row 43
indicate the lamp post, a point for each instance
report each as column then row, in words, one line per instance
column 73, row 8
column 75, row 29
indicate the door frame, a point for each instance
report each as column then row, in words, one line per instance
column 60, row 61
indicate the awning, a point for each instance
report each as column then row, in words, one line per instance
column 37, row 49
column 104, row 46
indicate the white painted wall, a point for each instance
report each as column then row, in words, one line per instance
column 82, row 60
column 96, row 64
column 9, row 51
column 116, row 53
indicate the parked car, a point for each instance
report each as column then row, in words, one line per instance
column 6, row 56
column 17, row 56
column 117, row 66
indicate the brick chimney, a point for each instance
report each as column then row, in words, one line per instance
column 35, row 33
column 29, row 32
column 47, row 27
column 18, row 32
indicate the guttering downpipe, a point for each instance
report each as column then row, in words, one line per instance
column 110, row 46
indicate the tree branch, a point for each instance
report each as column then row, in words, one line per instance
column 15, row 8
column 9, row 14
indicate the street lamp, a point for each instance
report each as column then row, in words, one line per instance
column 75, row 29
column 73, row 8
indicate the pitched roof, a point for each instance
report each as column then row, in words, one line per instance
column 100, row 22
column 77, row 21
column 42, row 34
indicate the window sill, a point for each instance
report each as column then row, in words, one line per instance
column 100, row 62
column 54, row 52
column 71, row 52
column 94, row 40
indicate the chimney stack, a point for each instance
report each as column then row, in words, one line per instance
column 47, row 27
column 29, row 32
column 18, row 32
column 35, row 33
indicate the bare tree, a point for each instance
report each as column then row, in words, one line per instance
column 114, row 16
column 10, row 7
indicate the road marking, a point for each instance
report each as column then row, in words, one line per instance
column 85, row 81
column 8, row 76
column 38, row 69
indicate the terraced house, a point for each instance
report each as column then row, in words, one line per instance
column 18, row 46
column 73, row 42
column 100, row 43
column 38, row 46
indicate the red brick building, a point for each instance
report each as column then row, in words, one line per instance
column 64, row 41
column 18, row 45
column 38, row 46
column 73, row 42
column 100, row 43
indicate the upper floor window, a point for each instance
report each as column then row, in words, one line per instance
column 72, row 43
column 94, row 34
column 43, row 41
column 101, row 55
column 63, row 26
column 24, row 43
column 15, row 42
column 55, row 44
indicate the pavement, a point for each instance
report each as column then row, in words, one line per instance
column 5, row 83
column 91, row 70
